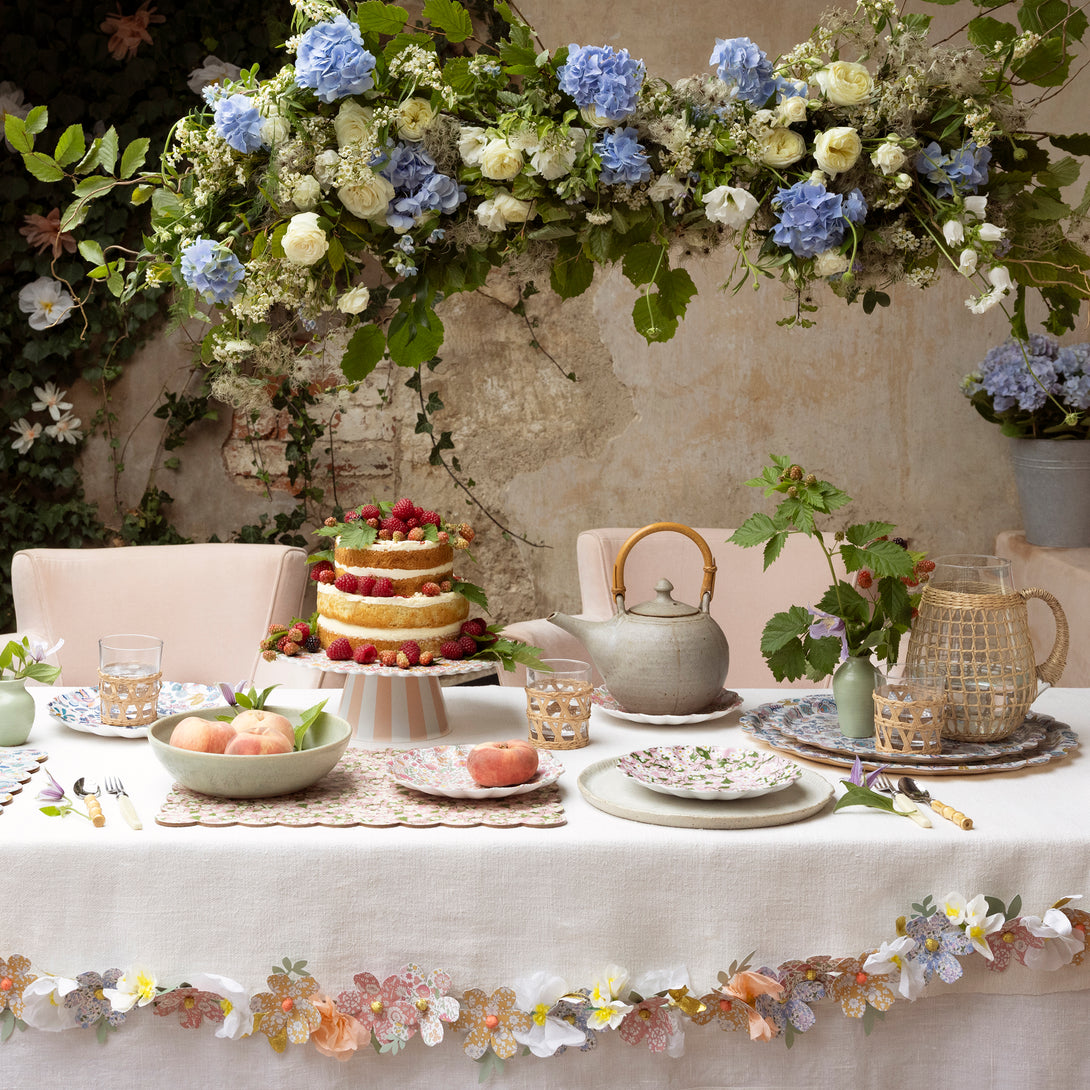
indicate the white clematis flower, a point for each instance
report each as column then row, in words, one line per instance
column 49, row 397
column 27, row 433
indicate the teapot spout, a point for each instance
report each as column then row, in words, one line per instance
column 576, row 626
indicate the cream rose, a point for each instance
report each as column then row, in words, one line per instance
column 353, row 124
column 304, row 241
column 502, row 209
column 471, row 142
column 830, row 263
column 596, row 120
column 414, row 118
column 837, row 150
column 275, row 129
column 791, row 110
column 888, row 157
column 730, row 205
column 781, row 147
column 354, row 300
column 305, row 192
column 500, row 161
column 845, row 83
column 367, row 200
column 665, row 188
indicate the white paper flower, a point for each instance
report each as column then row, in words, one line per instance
column 892, row 958
column 1061, row 945
column 43, row 1003
column 238, row 1020
column 536, row 995
column 607, row 1009
column 972, row 917
column 136, row 987
column 46, row 301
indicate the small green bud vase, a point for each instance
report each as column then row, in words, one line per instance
column 16, row 712
column 853, row 690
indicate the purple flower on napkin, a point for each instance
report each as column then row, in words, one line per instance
column 54, row 792
column 857, row 777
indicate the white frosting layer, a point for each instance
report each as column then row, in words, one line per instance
column 401, row 634
column 395, row 546
column 416, row 601
column 442, row 570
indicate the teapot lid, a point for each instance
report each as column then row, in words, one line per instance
column 663, row 604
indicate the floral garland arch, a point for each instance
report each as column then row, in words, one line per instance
column 326, row 210
column 540, row 1014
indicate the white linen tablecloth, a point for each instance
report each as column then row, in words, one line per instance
column 490, row 905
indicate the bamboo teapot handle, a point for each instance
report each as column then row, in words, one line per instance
column 707, row 586
column 1052, row 668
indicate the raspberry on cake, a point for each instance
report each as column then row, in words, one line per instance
column 386, row 589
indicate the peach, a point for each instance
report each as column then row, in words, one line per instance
column 502, row 764
column 258, row 717
column 250, row 743
column 202, row 735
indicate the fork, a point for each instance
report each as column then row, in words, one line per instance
column 901, row 802
column 128, row 811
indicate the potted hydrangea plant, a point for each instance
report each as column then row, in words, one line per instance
column 1038, row 392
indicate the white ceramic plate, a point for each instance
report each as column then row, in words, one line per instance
column 722, row 704
column 709, row 772
column 441, row 770
column 79, row 709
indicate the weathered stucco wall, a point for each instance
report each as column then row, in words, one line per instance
column 649, row 432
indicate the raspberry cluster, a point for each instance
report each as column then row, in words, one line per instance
column 472, row 637
column 289, row 640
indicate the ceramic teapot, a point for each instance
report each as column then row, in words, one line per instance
column 661, row 657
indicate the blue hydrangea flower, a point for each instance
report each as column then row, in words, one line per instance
column 1006, row 379
column 210, row 269
column 333, row 62
column 790, row 88
column 602, row 77
column 811, row 219
column 623, row 159
column 1073, row 363
column 745, row 69
column 237, row 120
column 441, row 193
column 963, row 170
column 408, row 167
column 855, row 206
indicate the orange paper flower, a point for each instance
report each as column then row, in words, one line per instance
column 44, row 232
column 287, row 1010
column 854, row 988
column 492, row 1020
column 128, row 31
column 15, row 975
column 339, row 1034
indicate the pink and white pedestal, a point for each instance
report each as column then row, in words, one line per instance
column 385, row 704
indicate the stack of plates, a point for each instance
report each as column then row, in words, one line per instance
column 808, row 727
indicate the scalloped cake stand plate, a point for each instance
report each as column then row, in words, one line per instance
column 723, row 703
column 441, row 770
column 79, row 709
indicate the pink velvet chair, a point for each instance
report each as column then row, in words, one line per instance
column 211, row 604
column 745, row 595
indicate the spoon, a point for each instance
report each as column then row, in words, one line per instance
column 915, row 792
column 89, row 792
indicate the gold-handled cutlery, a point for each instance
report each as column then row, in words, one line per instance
column 89, row 793
column 914, row 791
column 128, row 811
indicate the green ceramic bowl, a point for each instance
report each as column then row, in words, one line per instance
column 252, row 776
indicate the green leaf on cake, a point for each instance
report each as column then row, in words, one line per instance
column 510, row 653
column 471, row 591
column 353, row 535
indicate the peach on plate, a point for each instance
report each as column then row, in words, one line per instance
column 502, row 764
column 202, row 735
column 260, row 721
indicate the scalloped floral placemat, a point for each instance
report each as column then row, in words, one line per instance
column 360, row 791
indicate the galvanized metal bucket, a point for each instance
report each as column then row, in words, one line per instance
column 1053, row 478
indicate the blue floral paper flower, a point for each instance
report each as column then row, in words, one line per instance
column 937, row 946
column 601, row 77
column 811, row 219
column 333, row 62
column 237, row 120
column 745, row 69
column 623, row 159
column 210, row 269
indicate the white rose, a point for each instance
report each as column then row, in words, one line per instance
column 367, row 200
column 596, row 120
column 471, row 142
column 837, row 150
column 729, row 205
column 414, row 118
column 275, row 129
column 903, row 181
column 555, row 161
column 499, row 161
column 511, row 208
column 845, row 83
column 967, row 262
column 326, row 164
column 665, row 188
column 888, row 157
column 354, row 300
column 490, row 217
column 830, row 262
column 792, row 110
column 304, row 241
column 781, row 147
column 305, row 192
column 353, row 124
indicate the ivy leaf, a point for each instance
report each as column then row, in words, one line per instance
column 450, row 17
column 373, row 16
column 363, row 353
column 571, row 274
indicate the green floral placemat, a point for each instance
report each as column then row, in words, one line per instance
column 360, row 791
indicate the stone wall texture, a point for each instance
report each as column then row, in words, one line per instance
column 644, row 433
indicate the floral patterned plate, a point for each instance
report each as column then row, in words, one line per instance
column 79, row 708
column 1059, row 740
column 722, row 704
column 318, row 660
column 709, row 772
column 812, row 721
column 441, row 770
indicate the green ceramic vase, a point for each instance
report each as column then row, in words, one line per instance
column 16, row 712
column 853, row 689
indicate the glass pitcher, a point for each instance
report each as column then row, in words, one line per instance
column 973, row 626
